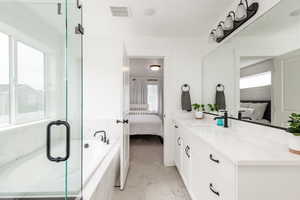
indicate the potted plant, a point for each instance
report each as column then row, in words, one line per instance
column 211, row 108
column 199, row 109
column 294, row 129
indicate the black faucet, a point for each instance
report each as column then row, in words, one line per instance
column 103, row 137
column 225, row 117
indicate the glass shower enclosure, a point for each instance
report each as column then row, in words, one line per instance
column 40, row 99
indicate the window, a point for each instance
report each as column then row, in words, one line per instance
column 22, row 87
column 257, row 80
column 30, row 82
column 152, row 97
column 4, row 79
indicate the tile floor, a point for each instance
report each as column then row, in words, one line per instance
column 148, row 179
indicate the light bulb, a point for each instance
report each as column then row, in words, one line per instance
column 228, row 24
column 241, row 12
column 220, row 30
column 212, row 35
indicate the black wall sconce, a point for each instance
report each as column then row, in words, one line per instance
column 234, row 20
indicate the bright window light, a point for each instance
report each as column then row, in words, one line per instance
column 30, row 83
column 152, row 97
column 4, row 79
column 257, row 80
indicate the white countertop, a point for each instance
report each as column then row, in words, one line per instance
column 242, row 143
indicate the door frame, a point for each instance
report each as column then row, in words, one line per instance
column 168, row 144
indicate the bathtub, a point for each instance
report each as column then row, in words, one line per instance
column 34, row 176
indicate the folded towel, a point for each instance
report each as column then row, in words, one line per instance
column 186, row 98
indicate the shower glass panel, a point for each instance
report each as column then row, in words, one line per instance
column 40, row 99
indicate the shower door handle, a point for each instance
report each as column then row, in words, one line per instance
column 58, row 123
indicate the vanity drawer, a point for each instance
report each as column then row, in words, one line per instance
column 222, row 177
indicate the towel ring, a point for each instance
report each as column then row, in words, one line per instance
column 185, row 86
column 221, row 86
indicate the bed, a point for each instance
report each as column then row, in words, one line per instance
column 266, row 113
column 143, row 122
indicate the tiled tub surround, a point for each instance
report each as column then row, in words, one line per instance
column 21, row 140
column 242, row 162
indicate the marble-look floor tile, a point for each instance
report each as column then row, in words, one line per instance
column 148, row 179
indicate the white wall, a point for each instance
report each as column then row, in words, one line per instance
column 102, row 83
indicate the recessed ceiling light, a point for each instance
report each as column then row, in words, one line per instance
column 155, row 68
column 119, row 11
column 149, row 12
column 295, row 13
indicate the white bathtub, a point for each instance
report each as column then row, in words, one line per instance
column 35, row 176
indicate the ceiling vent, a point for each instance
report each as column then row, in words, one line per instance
column 119, row 11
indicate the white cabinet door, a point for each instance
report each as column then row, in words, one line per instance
column 199, row 180
column 186, row 159
column 178, row 148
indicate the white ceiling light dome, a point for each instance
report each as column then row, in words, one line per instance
column 155, row 68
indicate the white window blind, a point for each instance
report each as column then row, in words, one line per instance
column 152, row 97
column 257, row 80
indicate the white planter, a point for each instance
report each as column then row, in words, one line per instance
column 294, row 144
column 199, row 115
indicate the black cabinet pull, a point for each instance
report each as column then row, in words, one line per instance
column 176, row 126
column 187, row 151
column 212, row 159
column 125, row 121
column 58, row 123
column 211, row 187
column 178, row 141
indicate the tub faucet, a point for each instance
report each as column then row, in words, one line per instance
column 104, row 137
column 225, row 117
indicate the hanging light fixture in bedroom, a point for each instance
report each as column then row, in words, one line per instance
column 234, row 20
column 155, row 67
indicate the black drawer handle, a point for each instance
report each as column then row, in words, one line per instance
column 211, row 187
column 212, row 159
column 176, row 126
column 49, row 156
column 187, row 151
column 178, row 141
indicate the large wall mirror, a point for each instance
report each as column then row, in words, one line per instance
column 259, row 68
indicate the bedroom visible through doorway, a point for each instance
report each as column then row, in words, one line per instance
column 146, row 99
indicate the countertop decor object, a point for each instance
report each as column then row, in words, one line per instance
column 199, row 110
column 294, row 129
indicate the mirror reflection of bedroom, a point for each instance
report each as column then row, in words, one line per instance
column 146, row 106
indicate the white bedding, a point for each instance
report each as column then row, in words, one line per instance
column 145, row 124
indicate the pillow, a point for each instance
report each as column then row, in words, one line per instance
column 245, row 105
column 248, row 112
column 259, row 110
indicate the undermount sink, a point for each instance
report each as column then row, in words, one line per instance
column 201, row 124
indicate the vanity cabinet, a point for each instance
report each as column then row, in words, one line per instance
column 209, row 174
column 182, row 154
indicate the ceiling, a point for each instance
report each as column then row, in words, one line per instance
column 246, row 61
column 171, row 18
column 140, row 67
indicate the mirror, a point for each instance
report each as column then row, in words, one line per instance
column 259, row 68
